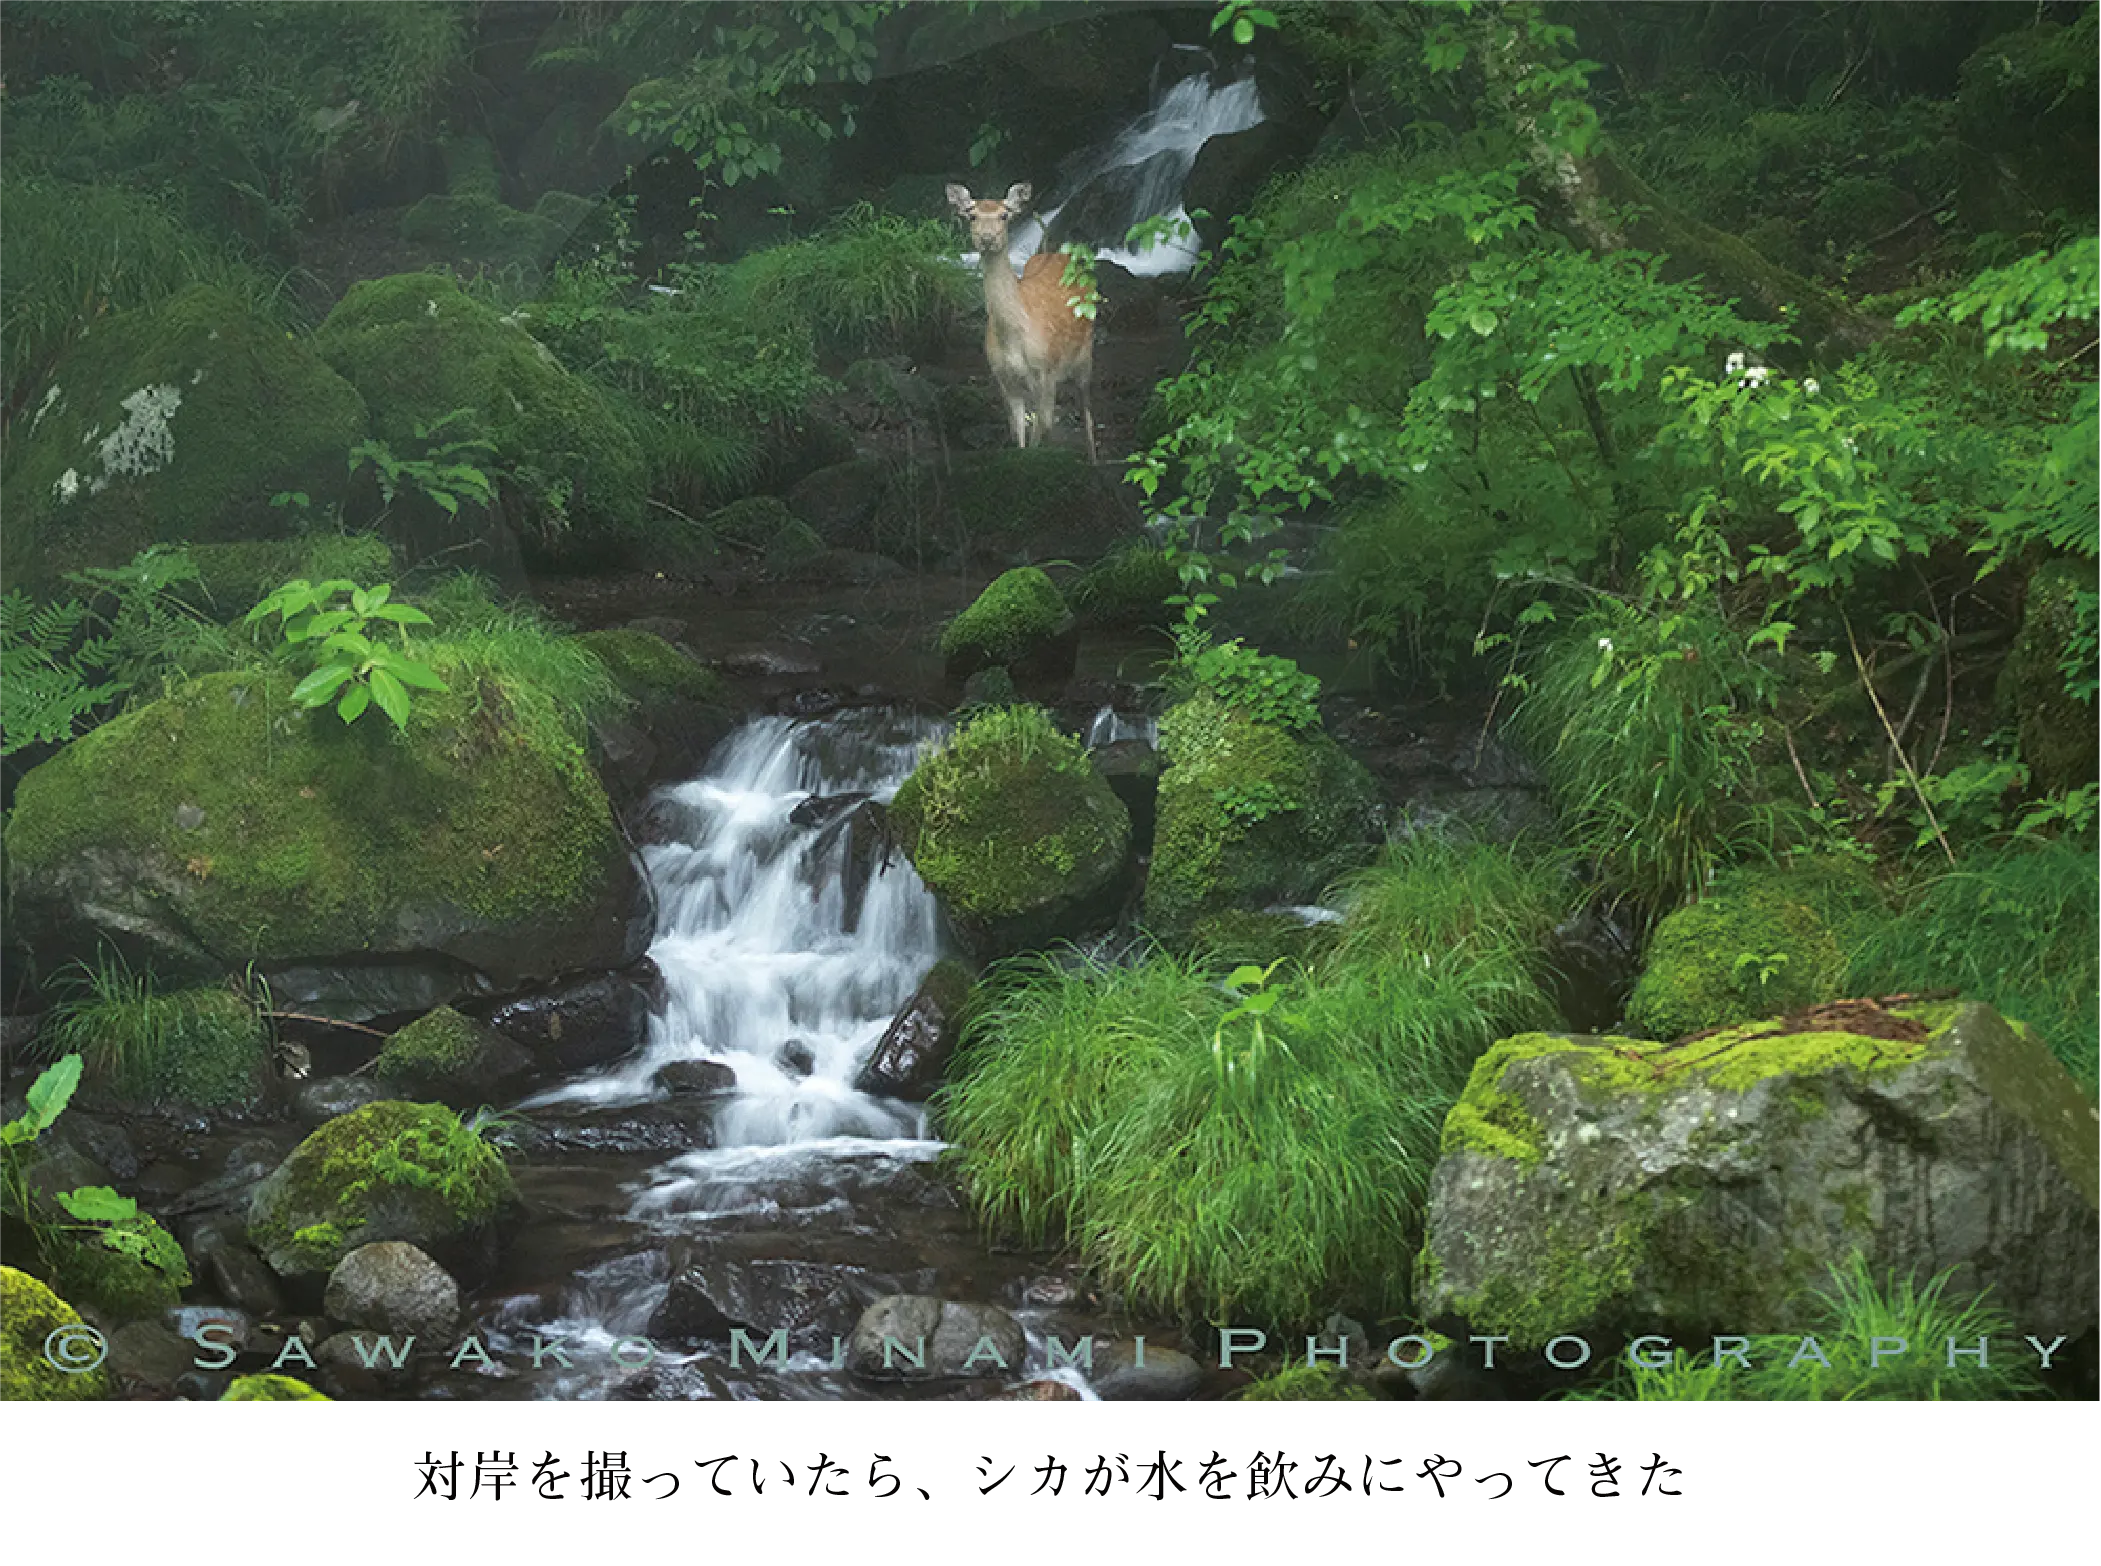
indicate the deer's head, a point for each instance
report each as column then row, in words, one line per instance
column 988, row 220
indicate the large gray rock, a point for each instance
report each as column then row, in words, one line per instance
column 1120, row 1376
column 918, row 1337
column 393, row 1287
column 1617, row 1184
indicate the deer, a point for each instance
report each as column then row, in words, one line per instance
column 1034, row 339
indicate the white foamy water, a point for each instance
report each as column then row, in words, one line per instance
column 1139, row 174
column 772, row 966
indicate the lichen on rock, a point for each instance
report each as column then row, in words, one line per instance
column 1621, row 1184
column 35, row 1327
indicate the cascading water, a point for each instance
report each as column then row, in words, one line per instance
column 1138, row 174
column 783, row 959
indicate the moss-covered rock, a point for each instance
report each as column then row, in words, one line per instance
column 450, row 1057
column 2057, row 731
column 178, row 422
column 199, row 1048
column 479, row 229
column 1763, row 941
column 1127, row 586
column 1305, row 1384
column 766, row 527
column 234, row 577
column 1013, row 830
column 269, row 1388
column 418, row 350
column 389, row 1171
column 649, row 667
column 1249, row 815
column 1019, row 623
column 1625, row 1185
column 116, row 1283
column 221, row 825
column 34, row 1322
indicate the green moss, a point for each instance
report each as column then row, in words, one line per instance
column 29, row 1315
column 1042, row 500
column 1248, row 814
column 314, row 838
column 1020, row 610
column 648, row 666
column 117, row 1285
column 2057, row 732
column 1761, row 942
column 234, row 577
column 1129, row 586
column 418, row 349
column 176, row 423
column 479, row 228
column 1009, row 818
column 204, row 1047
column 391, row 1165
column 763, row 525
column 271, row 1389
column 439, row 1046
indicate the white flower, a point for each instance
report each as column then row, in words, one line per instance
column 1604, row 644
column 1733, row 366
column 68, row 485
column 1755, row 376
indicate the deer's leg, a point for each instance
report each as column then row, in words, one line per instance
column 1087, row 406
column 1015, row 394
column 1046, row 408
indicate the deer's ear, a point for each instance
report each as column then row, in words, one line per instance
column 1018, row 197
column 959, row 198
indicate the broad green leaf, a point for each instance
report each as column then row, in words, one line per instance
column 393, row 700
column 98, row 1204
column 354, row 702
column 316, row 689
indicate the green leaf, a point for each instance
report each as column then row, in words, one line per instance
column 98, row 1204
column 316, row 689
column 354, row 702
column 393, row 700
column 49, row 1094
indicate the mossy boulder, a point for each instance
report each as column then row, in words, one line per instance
column 1018, row 623
column 1305, row 1384
column 1761, row 942
column 1617, row 1184
column 178, row 422
column 233, row 577
column 680, row 712
column 447, row 1056
column 1250, row 815
column 389, row 1171
column 202, row 1048
column 2057, row 730
column 267, row 1388
column 32, row 1320
column 1015, row 833
column 476, row 228
column 419, row 350
column 220, row 826
column 115, row 1283
column 1127, row 586
column 765, row 527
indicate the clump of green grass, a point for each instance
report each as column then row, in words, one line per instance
column 1647, row 728
column 2013, row 926
column 1245, row 1146
column 206, row 1046
column 1428, row 892
column 869, row 279
column 1855, row 1310
column 546, row 677
column 1304, row 1384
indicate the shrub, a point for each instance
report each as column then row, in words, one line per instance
column 1645, row 727
column 868, row 280
column 2013, row 926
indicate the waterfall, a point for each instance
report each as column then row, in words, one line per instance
column 780, row 959
column 1105, row 190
